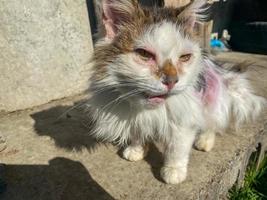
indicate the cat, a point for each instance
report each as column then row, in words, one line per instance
column 151, row 81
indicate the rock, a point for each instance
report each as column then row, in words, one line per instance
column 45, row 47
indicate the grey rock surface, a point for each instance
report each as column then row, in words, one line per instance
column 55, row 158
column 45, row 47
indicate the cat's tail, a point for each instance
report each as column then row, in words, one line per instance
column 235, row 96
column 245, row 104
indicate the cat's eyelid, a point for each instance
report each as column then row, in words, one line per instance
column 145, row 49
column 151, row 53
column 186, row 53
column 185, row 57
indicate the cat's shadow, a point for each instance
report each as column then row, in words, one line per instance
column 155, row 159
column 68, row 126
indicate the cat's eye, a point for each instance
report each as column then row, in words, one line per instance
column 144, row 54
column 185, row 57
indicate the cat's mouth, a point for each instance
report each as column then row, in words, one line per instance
column 156, row 99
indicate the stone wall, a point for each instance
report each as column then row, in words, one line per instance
column 45, row 47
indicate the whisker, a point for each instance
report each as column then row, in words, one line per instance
column 120, row 98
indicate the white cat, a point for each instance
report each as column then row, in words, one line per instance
column 151, row 81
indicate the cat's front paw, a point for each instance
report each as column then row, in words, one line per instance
column 205, row 142
column 172, row 175
column 134, row 153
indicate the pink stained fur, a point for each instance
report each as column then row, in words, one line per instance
column 213, row 87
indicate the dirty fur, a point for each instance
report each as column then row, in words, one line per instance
column 151, row 81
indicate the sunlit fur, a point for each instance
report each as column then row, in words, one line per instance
column 120, row 82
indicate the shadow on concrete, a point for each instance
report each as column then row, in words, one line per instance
column 70, row 128
column 62, row 179
column 155, row 159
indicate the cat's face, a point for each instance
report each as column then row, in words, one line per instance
column 147, row 55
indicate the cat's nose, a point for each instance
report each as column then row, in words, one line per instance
column 170, row 81
column 170, row 75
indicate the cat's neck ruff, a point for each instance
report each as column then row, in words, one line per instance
column 126, row 119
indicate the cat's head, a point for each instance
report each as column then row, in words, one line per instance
column 147, row 54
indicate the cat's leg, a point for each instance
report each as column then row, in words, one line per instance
column 176, row 155
column 205, row 140
column 135, row 151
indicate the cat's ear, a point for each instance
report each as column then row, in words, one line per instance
column 116, row 13
column 192, row 13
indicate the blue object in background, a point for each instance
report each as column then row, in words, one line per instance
column 214, row 43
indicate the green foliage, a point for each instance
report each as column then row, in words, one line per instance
column 255, row 183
